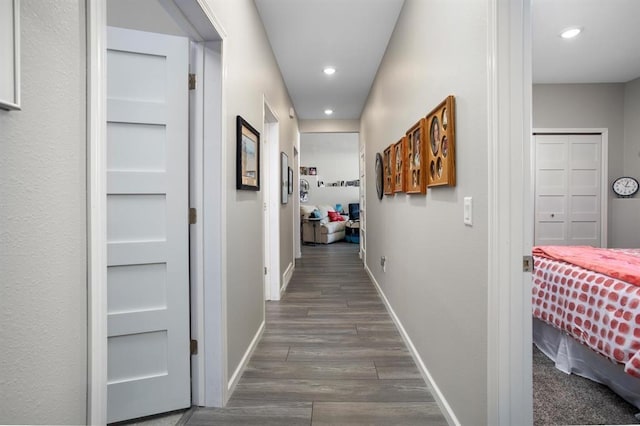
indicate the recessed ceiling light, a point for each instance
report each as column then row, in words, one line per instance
column 328, row 111
column 570, row 32
column 329, row 70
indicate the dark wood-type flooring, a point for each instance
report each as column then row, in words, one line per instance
column 330, row 355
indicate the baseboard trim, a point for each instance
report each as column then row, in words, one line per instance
column 286, row 278
column 446, row 409
column 233, row 381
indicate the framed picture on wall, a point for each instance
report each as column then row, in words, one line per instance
column 284, row 178
column 10, row 54
column 415, row 160
column 290, row 186
column 247, row 156
column 388, row 170
column 399, row 181
column 442, row 140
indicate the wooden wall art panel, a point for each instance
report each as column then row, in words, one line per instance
column 389, row 172
column 399, row 154
column 442, row 141
column 415, row 159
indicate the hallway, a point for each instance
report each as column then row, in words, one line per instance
column 330, row 354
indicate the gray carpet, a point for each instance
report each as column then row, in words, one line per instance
column 561, row 399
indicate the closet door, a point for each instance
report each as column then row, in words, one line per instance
column 568, row 179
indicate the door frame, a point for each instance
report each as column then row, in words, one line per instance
column 604, row 170
column 510, row 215
column 271, row 200
column 197, row 15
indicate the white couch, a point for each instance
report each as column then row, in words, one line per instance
column 325, row 231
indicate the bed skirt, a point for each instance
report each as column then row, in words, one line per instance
column 572, row 357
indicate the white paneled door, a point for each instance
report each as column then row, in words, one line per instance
column 147, row 224
column 568, row 179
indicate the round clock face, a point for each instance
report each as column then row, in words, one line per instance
column 625, row 186
column 379, row 188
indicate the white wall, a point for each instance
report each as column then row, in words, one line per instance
column 43, row 296
column 436, row 276
column 251, row 72
column 588, row 106
column 335, row 155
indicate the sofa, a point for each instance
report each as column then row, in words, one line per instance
column 326, row 230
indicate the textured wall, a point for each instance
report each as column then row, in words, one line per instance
column 42, row 224
column 436, row 272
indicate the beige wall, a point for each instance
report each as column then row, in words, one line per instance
column 251, row 72
column 43, row 296
column 436, row 277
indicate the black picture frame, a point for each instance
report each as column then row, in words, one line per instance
column 290, row 188
column 284, row 178
column 247, row 156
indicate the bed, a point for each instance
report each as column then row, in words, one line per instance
column 586, row 308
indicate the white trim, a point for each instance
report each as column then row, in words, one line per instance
column 96, row 17
column 214, row 218
column 509, row 385
column 235, row 377
column 196, row 231
column 438, row 396
column 215, row 356
column 14, row 103
column 604, row 172
column 286, row 278
column 271, row 134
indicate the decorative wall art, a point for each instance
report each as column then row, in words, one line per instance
column 399, row 154
column 415, row 160
column 247, row 156
column 10, row 54
column 284, row 178
column 379, row 175
column 388, row 170
column 441, row 152
column 290, row 187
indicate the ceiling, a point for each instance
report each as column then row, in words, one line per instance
column 308, row 35
column 352, row 35
column 607, row 50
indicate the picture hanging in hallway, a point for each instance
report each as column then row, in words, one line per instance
column 247, row 156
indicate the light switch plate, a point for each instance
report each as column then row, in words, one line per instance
column 468, row 211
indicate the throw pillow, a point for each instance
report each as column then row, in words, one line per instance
column 335, row 217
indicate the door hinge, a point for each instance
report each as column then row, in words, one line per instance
column 192, row 82
column 527, row 264
column 265, row 270
column 193, row 216
column 193, row 347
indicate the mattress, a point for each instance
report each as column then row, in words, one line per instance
column 597, row 310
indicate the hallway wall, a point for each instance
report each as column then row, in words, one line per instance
column 436, row 275
column 43, row 274
column 250, row 72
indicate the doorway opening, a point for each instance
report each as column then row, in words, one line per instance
column 194, row 22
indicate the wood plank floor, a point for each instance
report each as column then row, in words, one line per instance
column 330, row 355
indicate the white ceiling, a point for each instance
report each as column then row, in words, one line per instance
column 307, row 35
column 607, row 51
column 352, row 35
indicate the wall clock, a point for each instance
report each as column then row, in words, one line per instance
column 379, row 177
column 625, row 187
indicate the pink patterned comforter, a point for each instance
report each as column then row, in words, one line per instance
column 597, row 309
